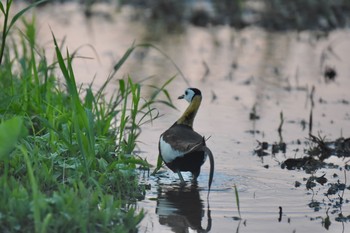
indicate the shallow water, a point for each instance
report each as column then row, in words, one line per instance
column 236, row 70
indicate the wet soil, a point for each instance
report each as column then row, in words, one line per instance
column 264, row 93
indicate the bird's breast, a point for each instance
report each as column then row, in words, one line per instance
column 167, row 152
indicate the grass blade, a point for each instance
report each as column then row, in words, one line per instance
column 237, row 200
column 10, row 131
column 159, row 165
column 2, row 8
column 124, row 58
column 146, row 45
column 35, row 190
column 21, row 12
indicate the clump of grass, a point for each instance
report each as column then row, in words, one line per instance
column 67, row 161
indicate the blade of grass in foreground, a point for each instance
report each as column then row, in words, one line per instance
column 81, row 118
column 145, row 45
column 35, row 190
column 7, row 27
column 237, row 200
column 159, row 165
column 10, row 131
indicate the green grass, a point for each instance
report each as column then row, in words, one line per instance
column 67, row 161
column 237, row 201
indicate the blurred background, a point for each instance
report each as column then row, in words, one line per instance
column 270, row 14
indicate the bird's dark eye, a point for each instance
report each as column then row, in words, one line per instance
column 186, row 92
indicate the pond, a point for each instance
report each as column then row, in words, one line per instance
column 251, row 80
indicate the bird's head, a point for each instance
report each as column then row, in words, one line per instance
column 190, row 93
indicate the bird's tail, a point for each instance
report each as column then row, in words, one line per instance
column 211, row 160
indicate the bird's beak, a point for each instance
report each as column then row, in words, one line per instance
column 181, row 97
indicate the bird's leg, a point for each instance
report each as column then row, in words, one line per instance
column 181, row 178
column 195, row 175
column 194, row 183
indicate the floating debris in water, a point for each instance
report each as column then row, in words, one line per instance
column 275, row 148
column 279, row 147
column 253, row 131
column 310, row 184
column 335, row 188
column 213, row 96
column 342, row 218
column 316, row 205
column 307, row 163
column 329, row 73
column 260, row 152
column 321, row 180
column 280, row 212
column 253, row 115
column 324, row 149
column 297, row 184
column 263, row 145
column 248, row 81
column 260, row 149
column 344, row 102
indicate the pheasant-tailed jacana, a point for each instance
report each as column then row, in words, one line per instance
column 183, row 149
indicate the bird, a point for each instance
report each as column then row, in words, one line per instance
column 183, row 149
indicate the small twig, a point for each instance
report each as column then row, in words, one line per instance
column 207, row 71
column 310, row 122
column 280, row 127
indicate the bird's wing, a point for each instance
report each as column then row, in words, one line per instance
column 184, row 139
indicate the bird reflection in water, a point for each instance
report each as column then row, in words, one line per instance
column 181, row 208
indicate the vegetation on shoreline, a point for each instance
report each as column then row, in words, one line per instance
column 66, row 152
